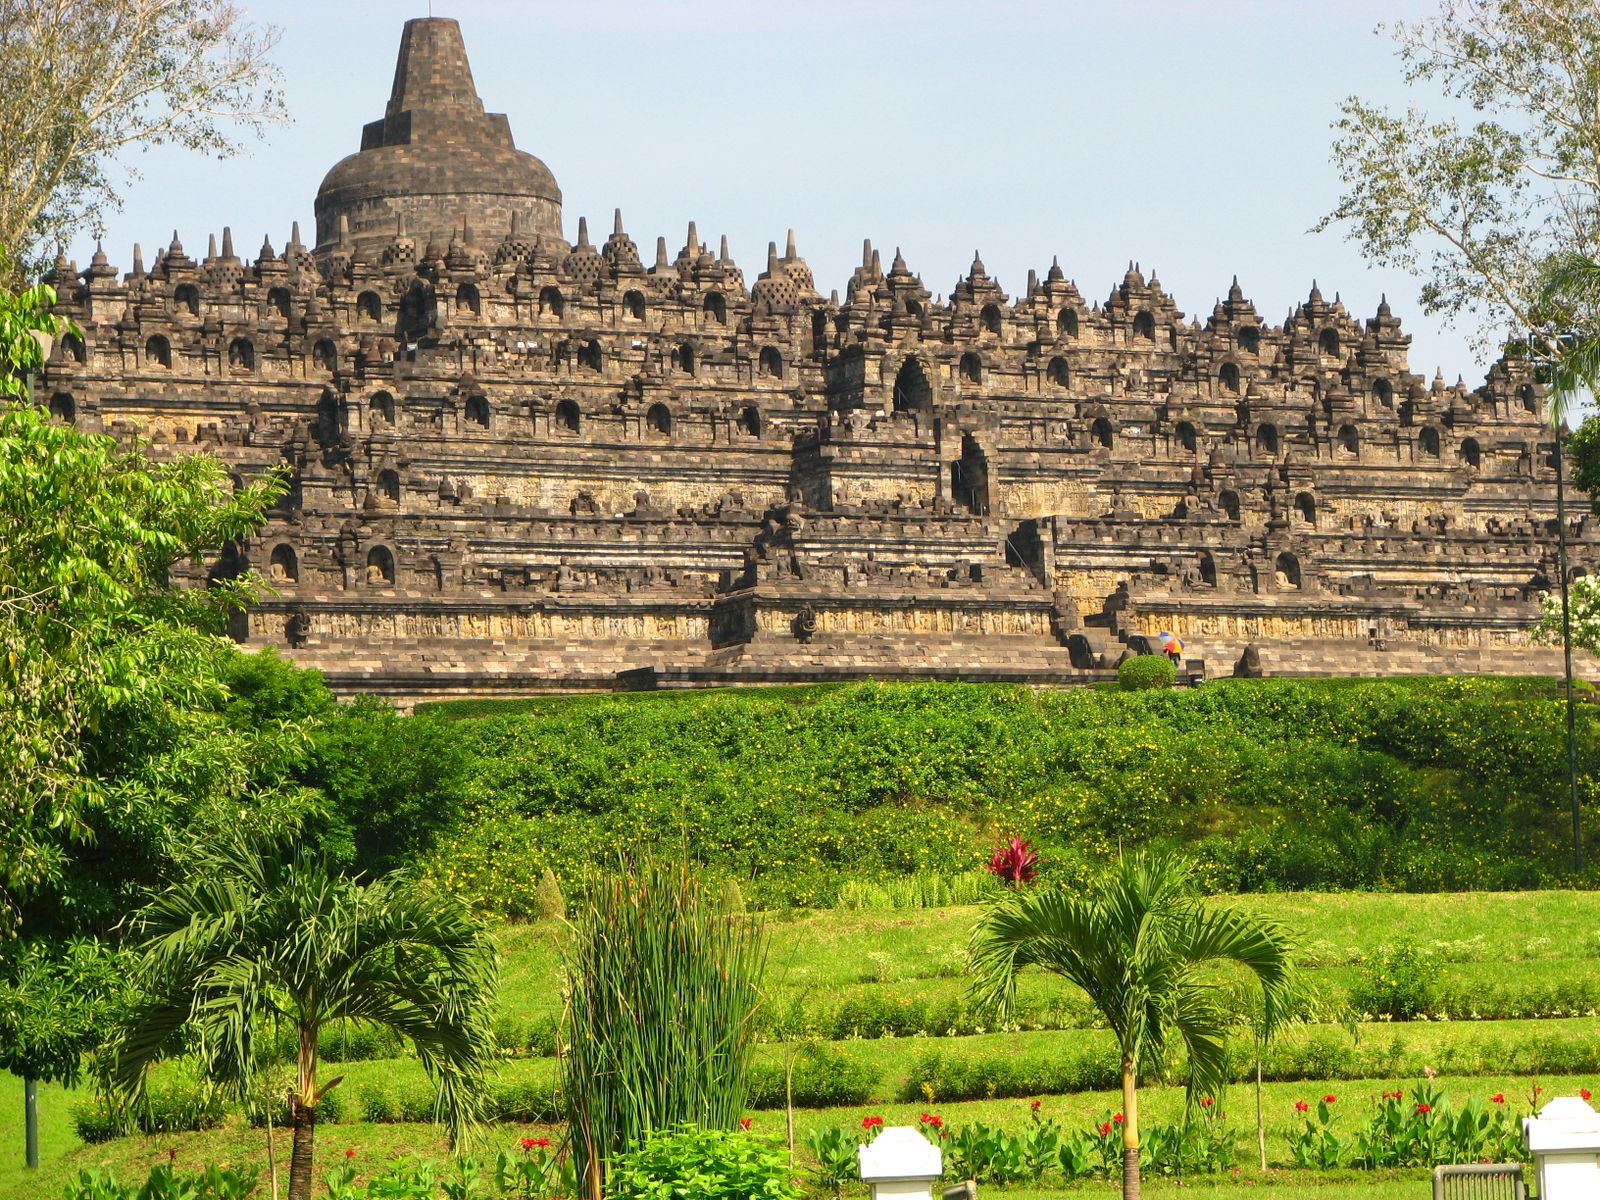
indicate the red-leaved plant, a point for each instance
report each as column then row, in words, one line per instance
column 1015, row 861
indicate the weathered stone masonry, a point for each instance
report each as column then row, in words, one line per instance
column 521, row 464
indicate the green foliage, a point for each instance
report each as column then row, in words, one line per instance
column 1143, row 672
column 212, row 1182
column 879, row 796
column 822, row 1076
column 730, row 900
column 1407, row 1128
column 55, row 1001
column 104, row 668
column 393, row 783
column 708, row 1164
column 23, row 315
column 1398, row 983
column 548, row 902
column 1583, row 455
column 834, row 1150
column 662, row 989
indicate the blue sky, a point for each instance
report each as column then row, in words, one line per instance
column 1192, row 137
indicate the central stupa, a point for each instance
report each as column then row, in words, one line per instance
column 436, row 159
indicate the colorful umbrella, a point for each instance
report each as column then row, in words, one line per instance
column 1169, row 642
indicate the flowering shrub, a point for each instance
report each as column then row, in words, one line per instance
column 1397, row 984
column 1415, row 1129
column 1313, row 1142
column 531, row 1173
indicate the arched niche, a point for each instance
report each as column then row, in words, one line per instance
column 380, row 567
column 659, row 420
column 911, row 387
column 569, row 418
column 283, row 566
column 1287, row 571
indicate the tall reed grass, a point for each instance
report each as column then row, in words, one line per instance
column 660, row 1014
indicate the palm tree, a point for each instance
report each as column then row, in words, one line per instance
column 1136, row 941
column 254, row 935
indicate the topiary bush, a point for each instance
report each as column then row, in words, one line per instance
column 1145, row 672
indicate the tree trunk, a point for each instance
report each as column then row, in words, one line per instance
column 1130, row 1131
column 305, row 1120
column 1261, row 1122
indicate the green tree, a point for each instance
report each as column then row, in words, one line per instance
column 92, row 637
column 1502, row 177
column 54, row 1002
column 257, row 933
column 82, row 82
column 26, row 325
column 1136, row 941
column 393, row 783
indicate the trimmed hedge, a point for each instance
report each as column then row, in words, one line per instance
column 1144, row 672
column 1393, row 784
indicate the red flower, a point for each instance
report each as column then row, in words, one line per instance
column 1537, row 1089
column 744, row 1123
column 1035, row 1105
column 1584, row 1092
column 1301, row 1106
column 1498, row 1098
column 349, row 1154
column 871, row 1122
column 1015, row 861
column 1117, row 1118
column 1206, row 1101
column 1424, row 1108
column 1330, row 1098
column 1105, row 1128
column 1394, row 1095
column 931, row 1119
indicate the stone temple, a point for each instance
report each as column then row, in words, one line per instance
column 524, row 464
